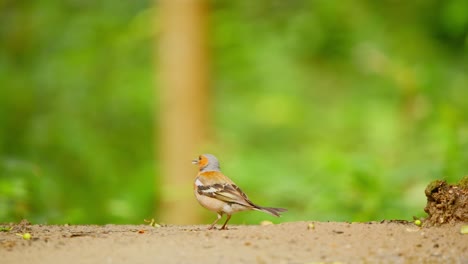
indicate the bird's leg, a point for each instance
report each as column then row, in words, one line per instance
column 225, row 223
column 216, row 221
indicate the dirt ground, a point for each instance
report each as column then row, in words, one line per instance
column 294, row 242
column 446, row 203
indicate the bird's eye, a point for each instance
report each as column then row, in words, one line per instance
column 199, row 158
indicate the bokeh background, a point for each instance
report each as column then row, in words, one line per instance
column 336, row 110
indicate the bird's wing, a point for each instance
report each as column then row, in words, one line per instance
column 226, row 192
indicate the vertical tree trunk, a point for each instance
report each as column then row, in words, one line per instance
column 183, row 114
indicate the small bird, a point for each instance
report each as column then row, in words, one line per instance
column 216, row 192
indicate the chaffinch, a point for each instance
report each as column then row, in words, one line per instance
column 216, row 192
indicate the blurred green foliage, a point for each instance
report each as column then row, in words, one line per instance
column 335, row 110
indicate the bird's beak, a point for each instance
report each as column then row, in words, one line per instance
column 195, row 161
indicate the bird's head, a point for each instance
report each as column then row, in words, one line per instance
column 207, row 162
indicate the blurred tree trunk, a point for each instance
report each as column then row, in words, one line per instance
column 183, row 55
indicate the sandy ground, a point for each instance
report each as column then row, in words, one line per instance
column 295, row 242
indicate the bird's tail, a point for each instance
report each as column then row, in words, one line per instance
column 271, row 210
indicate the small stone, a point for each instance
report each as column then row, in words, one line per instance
column 266, row 223
column 464, row 230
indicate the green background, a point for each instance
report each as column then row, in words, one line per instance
column 336, row 110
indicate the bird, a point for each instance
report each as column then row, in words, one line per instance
column 216, row 192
